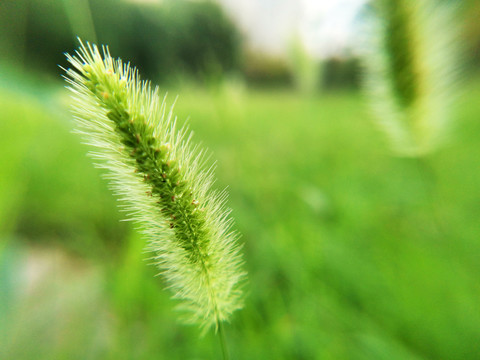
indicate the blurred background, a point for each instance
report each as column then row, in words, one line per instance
column 351, row 253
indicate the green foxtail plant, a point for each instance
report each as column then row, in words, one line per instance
column 411, row 72
column 163, row 182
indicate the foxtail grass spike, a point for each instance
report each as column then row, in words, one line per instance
column 412, row 71
column 163, row 182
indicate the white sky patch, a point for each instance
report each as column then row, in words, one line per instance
column 329, row 28
column 326, row 27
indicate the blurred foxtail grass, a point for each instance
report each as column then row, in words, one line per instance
column 411, row 73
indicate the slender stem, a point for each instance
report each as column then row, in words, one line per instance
column 429, row 181
column 223, row 342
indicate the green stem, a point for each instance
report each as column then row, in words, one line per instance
column 223, row 342
column 430, row 186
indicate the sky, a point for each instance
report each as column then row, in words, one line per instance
column 326, row 28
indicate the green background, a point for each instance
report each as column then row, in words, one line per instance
column 352, row 253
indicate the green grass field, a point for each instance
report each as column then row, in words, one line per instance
column 351, row 252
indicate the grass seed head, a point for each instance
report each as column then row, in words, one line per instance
column 161, row 179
